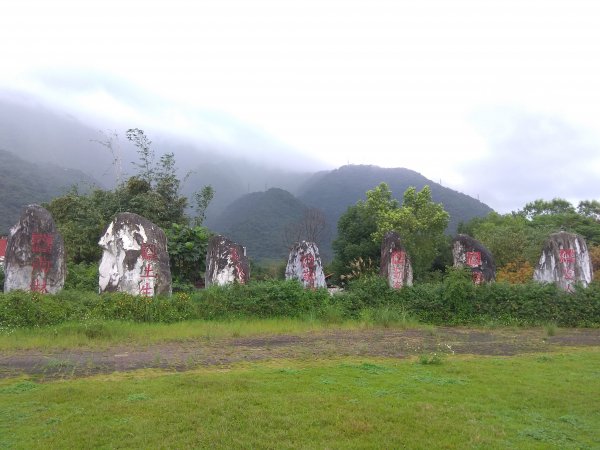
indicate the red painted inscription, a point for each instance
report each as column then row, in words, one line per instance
column 308, row 269
column 473, row 259
column 397, row 263
column 41, row 243
column 567, row 255
column 149, row 252
column 477, row 277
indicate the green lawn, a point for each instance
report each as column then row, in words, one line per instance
column 531, row 401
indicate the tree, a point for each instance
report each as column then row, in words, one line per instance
column 202, row 199
column 354, row 230
column 589, row 208
column 153, row 193
column 310, row 227
column 517, row 238
column 419, row 221
column 509, row 237
column 187, row 253
column 542, row 207
column 145, row 153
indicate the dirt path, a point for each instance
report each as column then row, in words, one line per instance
column 387, row 342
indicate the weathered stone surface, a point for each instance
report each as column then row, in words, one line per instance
column 468, row 252
column 395, row 264
column 304, row 264
column 226, row 262
column 565, row 261
column 35, row 254
column 135, row 258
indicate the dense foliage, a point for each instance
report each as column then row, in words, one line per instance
column 453, row 301
column 516, row 239
column 419, row 221
column 353, row 241
column 154, row 193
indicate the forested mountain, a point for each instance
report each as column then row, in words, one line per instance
column 333, row 191
column 258, row 221
column 45, row 139
column 22, row 183
column 42, row 135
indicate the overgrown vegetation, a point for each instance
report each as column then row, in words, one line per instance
column 152, row 192
column 516, row 239
column 454, row 301
column 419, row 221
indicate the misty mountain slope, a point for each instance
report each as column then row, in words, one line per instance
column 22, row 183
column 43, row 136
column 257, row 221
column 334, row 191
column 232, row 178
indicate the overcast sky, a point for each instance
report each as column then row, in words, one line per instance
column 498, row 99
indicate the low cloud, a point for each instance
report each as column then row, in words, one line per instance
column 532, row 156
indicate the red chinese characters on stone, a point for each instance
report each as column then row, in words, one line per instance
column 567, row 258
column 235, row 259
column 38, row 285
column 308, row 269
column 41, row 264
column 569, row 273
column 567, row 255
column 149, row 252
column 41, row 243
column 477, row 277
column 147, row 276
column 146, row 289
column 397, row 266
column 473, row 259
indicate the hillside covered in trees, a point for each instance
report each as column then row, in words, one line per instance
column 23, row 182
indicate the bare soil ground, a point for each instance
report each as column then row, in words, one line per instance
column 384, row 342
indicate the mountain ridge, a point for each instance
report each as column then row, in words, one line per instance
column 333, row 192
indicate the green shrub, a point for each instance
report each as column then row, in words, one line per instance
column 370, row 291
column 82, row 277
column 29, row 309
column 259, row 299
column 454, row 301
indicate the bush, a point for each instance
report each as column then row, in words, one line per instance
column 369, row 291
column 454, row 301
column 82, row 276
column 259, row 299
column 29, row 309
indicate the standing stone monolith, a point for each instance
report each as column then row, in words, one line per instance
column 304, row 264
column 35, row 254
column 134, row 257
column 565, row 261
column 395, row 264
column 226, row 262
column 469, row 252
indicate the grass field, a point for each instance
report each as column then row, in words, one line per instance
column 547, row 400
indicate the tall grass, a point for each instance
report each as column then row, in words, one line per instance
column 102, row 334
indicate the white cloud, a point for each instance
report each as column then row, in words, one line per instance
column 394, row 83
